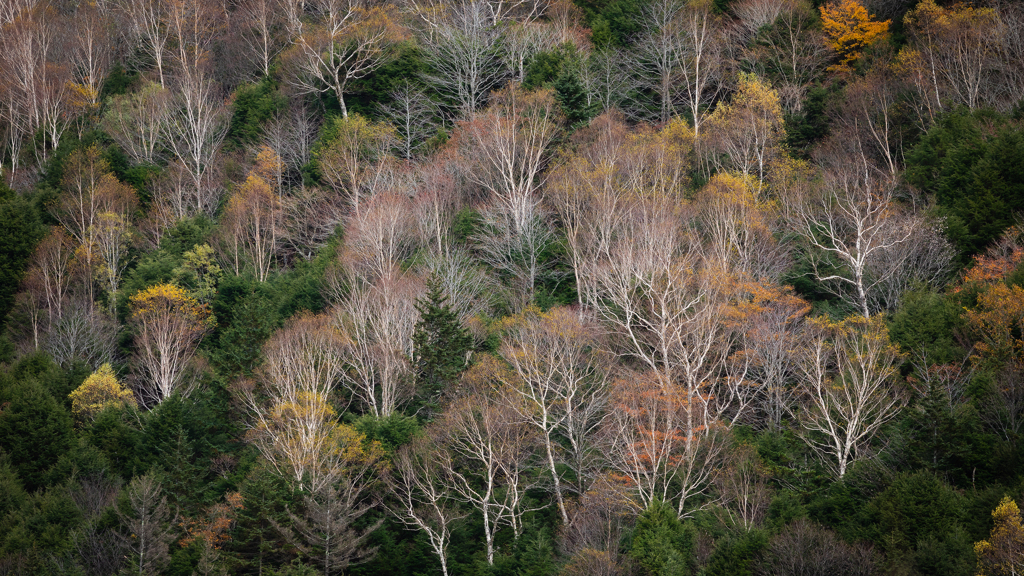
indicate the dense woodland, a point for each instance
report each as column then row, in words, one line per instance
column 511, row 287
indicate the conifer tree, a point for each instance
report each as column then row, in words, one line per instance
column 440, row 343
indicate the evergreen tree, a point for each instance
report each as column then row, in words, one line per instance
column 19, row 233
column 662, row 545
column 35, row 430
column 440, row 343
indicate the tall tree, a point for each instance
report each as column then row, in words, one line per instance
column 147, row 520
column 848, row 373
column 1003, row 552
column 292, row 423
column 168, row 326
column 350, row 40
column 441, row 345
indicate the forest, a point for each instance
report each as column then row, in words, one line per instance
column 511, row 287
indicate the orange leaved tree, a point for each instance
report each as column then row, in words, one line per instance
column 850, row 29
column 168, row 326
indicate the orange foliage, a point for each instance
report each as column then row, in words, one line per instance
column 850, row 29
column 998, row 261
column 214, row 529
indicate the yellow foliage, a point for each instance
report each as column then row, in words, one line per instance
column 1003, row 552
column 101, row 390
column 164, row 298
column 850, row 29
column 931, row 18
column 268, row 165
column 83, row 96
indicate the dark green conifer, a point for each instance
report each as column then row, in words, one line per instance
column 440, row 343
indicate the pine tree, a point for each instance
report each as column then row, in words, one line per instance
column 440, row 343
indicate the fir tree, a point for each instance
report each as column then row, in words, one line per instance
column 440, row 343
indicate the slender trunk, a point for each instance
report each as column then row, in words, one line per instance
column 554, row 476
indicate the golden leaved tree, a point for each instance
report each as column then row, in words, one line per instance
column 168, row 326
column 1003, row 552
column 99, row 391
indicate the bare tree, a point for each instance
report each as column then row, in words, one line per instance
column 193, row 25
column 436, row 203
column 92, row 51
column 847, row 374
column 351, row 40
column 377, row 323
column 195, row 129
column 51, row 266
column 807, row 549
column 508, row 146
column 380, row 237
column 597, row 521
column 469, row 289
column 310, row 217
column 82, row 334
column 515, row 249
column 487, row 450
column 291, row 135
column 683, row 48
column 742, row 232
column 770, row 343
column 852, row 223
column 743, row 487
column 606, row 79
column 462, row 46
column 661, row 50
column 252, row 225
column 958, row 48
column 521, row 41
column 291, row 422
column 168, row 326
column 756, row 14
column 414, row 116
column 423, row 503
column 668, row 311
column 147, row 26
column 263, row 30
column 558, row 384
column 358, row 163
column 748, row 129
column 147, row 521
column 792, row 51
column 327, row 528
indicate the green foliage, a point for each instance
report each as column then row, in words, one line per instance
column 612, row 22
column 927, row 323
column 970, row 162
column 440, row 343
column 256, row 544
column 35, row 430
column 376, row 88
column 114, row 436
column 254, row 105
column 253, row 318
column 662, row 545
column 736, row 554
column 20, row 231
column 199, row 273
column 392, row 432
column 920, row 511
column 810, row 125
column 118, row 82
